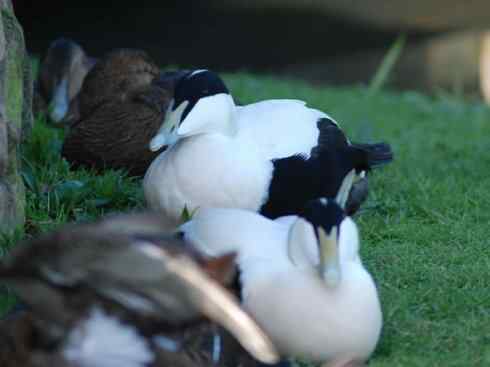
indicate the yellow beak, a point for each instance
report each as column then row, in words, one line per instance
column 167, row 134
column 329, row 256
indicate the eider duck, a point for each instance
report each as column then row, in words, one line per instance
column 120, row 108
column 61, row 75
column 301, row 278
column 270, row 157
column 98, row 297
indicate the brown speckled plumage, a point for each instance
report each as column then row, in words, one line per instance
column 62, row 275
column 121, row 106
column 115, row 76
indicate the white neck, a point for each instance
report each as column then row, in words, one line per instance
column 213, row 114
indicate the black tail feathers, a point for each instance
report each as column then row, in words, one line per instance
column 378, row 154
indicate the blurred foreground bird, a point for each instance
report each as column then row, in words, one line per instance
column 101, row 297
column 301, row 277
column 120, row 108
column 271, row 156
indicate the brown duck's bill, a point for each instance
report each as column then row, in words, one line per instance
column 221, row 307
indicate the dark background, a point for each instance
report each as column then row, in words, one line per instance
column 198, row 33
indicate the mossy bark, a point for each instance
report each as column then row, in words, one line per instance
column 15, row 116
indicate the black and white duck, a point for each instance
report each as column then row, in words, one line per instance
column 270, row 157
column 301, row 277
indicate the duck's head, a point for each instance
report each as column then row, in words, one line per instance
column 324, row 236
column 201, row 104
column 61, row 75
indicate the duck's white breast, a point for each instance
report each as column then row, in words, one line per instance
column 207, row 171
column 306, row 319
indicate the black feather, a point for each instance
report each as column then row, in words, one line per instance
column 192, row 88
column 325, row 214
column 379, row 154
column 297, row 179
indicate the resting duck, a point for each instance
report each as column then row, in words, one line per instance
column 301, row 277
column 120, row 108
column 270, row 157
column 61, row 75
column 98, row 297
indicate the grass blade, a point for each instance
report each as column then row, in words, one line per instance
column 385, row 68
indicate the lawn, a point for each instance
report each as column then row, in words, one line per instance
column 423, row 230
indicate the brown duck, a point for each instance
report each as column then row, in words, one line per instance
column 61, row 75
column 100, row 297
column 120, row 108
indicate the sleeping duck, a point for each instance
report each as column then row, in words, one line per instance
column 120, row 108
column 270, row 157
column 61, row 75
column 301, row 277
column 99, row 297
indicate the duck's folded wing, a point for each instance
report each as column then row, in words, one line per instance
column 147, row 274
column 116, row 134
column 149, row 278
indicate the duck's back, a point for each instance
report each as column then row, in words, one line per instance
column 218, row 231
column 279, row 127
column 119, row 72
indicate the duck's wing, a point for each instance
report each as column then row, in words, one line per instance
column 114, row 75
column 161, row 283
column 158, row 280
column 117, row 134
column 279, row 128
column 299, row 178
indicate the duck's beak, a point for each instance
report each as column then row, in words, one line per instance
column 329, row 256
column 167, row 135
column 58, row 106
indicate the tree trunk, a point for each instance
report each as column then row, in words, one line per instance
column 15, row 116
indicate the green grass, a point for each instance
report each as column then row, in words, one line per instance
column 424, row 229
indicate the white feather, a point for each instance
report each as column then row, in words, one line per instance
column 288, row 298
column 103, row 341
column 280, row 127
column 301, row 232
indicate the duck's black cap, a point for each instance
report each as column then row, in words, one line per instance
column 195, row 85
column 325, row 213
